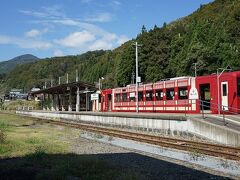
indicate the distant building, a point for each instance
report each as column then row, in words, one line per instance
column 35, row 89
column 37, row 97
column 15, row 94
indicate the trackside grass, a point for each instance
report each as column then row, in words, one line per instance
column 33, row 150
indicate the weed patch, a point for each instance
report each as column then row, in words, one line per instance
column 33, row 140
column 3, row 149
column 196, row 156
column 2, row 137
column 98, row 136
column 3, row 126
column 38, row 154
column 110, row 138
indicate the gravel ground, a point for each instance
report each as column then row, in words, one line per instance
column 148, row 166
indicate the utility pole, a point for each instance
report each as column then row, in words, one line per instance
column 67, row 78
column 76, row 75
column 51, row 82
column 137, row 78
column 59, row 80
column 45, row 85
column 133, row 76
column 78, row 94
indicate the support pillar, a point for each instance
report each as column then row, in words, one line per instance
column 48, row 102
column 77, row 101
column 52, row 102
column 44, row 102
column 87, row 102
column 57, row 102
column 63, row 100
column 70, row 101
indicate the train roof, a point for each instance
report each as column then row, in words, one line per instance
column 235, row 73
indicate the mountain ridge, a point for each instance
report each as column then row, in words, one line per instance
column 8, row 65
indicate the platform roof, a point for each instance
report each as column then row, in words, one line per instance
column 63, row 88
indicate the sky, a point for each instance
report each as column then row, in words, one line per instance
column 47, row 28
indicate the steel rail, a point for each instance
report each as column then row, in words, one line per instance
column 216, row 150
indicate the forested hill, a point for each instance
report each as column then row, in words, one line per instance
column 7, row 66
column 210, row 37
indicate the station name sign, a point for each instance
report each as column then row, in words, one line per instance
column 94, row 96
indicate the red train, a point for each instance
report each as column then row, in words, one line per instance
column 213, row 93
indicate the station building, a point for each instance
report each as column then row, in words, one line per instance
column 75, row 96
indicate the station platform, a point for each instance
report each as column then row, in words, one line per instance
column 229, row 121
column 211, row 127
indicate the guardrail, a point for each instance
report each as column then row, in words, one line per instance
column 25, row 108
column 218, row 107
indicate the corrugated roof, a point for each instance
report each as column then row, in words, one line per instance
column 65, row 88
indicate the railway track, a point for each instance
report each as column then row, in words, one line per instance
column 216, row 150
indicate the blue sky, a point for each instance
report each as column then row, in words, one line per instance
column 47, row 28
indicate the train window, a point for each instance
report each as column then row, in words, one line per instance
column 159, row 94
column 224, row 90
column 170, row 94
column 182, row 93
column 140, row 96
column 118, row 97
column 132, row 96
column 149, row 95
column 238, row 86
column 124, row 97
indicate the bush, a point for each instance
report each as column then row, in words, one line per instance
column 13, row 105
column 38, row 154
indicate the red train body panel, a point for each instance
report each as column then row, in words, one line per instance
column 216, row 93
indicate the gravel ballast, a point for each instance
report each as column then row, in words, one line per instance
column 148, row 165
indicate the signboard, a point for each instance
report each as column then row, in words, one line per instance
column 132, row 94
column 193, row 94
column 94, row 96
column 138, row 79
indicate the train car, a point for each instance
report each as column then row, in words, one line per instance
column 220, row 93
column 106, row 100
column 213, row 94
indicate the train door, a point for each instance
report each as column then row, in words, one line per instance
column 205, row 96
column 109, row 102
column 224, row 94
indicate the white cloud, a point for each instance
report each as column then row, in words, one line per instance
column 100, row 17
column 55, row 11
column 33, row 33
column 116, row 3
column 77, row 39
column 108, row 41
column 25, row 42
column 33, row 13
column 88, row 36
column 109, row 36
column 100, row 44
column 122, row 39
column 75, row 23
column 58, row 53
